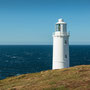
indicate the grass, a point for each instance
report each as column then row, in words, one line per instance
column 73, row 78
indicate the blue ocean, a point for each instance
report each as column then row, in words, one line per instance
column 21, row 59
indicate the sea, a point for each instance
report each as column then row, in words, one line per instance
column 22, row 59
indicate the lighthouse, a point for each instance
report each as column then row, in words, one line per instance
column 60, row 46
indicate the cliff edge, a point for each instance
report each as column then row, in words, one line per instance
column 73, row 78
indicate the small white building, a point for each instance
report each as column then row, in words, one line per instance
column 60, row 46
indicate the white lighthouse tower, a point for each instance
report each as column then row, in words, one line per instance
column 60, row 46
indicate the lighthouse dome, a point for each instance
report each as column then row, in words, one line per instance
column 60, row 21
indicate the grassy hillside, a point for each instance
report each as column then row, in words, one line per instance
column 74, row 78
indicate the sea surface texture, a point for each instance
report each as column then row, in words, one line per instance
column 21, row 59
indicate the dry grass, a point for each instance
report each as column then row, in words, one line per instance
column 74, row 78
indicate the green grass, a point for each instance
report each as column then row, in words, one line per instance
column 73, row 78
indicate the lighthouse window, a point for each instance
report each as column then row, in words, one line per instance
column 65, row 42
column 65, row 56
column 57, row 27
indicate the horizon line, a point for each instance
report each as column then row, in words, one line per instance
column 36, row 44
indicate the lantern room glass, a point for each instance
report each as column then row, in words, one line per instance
column 58, row 28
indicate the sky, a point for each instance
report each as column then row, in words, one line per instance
column 32, row 22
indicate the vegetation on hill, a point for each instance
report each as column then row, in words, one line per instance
column 73, row 78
